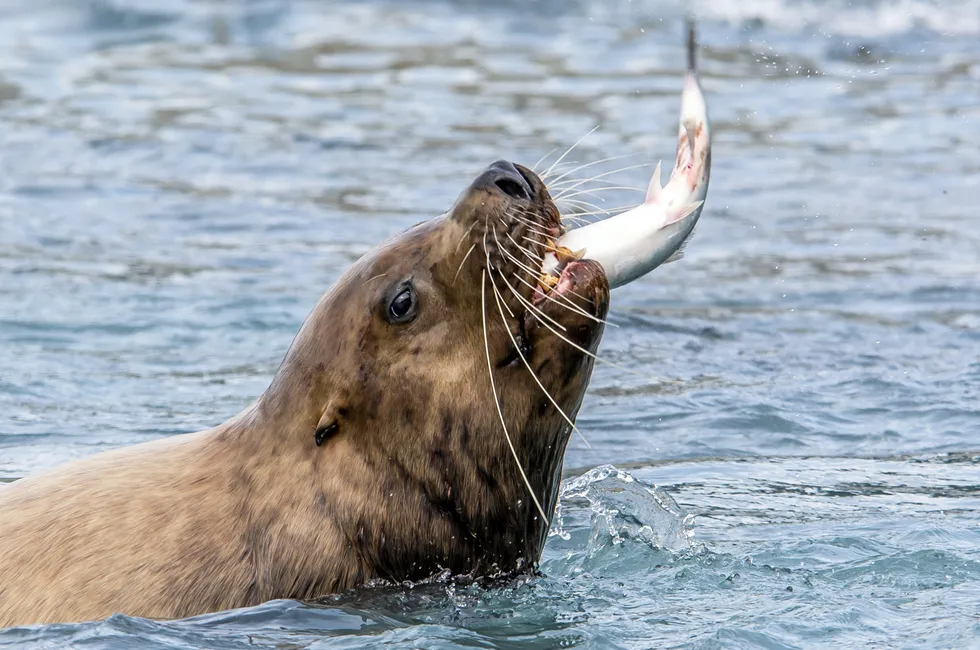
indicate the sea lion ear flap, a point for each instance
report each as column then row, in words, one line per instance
column 329, row 424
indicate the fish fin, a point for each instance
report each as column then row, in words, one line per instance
column 685, row 212
column 655, row 188
column 679, row 253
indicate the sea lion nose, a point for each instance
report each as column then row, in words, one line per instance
column 505, row 177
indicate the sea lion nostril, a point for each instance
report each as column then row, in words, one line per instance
column 512, row 188
column 506, row 177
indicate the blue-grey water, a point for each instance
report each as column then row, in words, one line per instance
column 180, row 181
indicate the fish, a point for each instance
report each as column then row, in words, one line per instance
column 631, row 244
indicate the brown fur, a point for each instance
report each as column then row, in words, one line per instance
column 417, row 478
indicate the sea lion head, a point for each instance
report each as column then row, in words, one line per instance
column 434, row 385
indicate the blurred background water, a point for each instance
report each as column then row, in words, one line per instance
column 180, row 181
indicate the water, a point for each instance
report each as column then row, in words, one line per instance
column 179, row 182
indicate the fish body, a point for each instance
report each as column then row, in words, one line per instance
column 633, row 243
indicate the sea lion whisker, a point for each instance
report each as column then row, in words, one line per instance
column 536, row 258
column 496, row 399
column 506, row 253
column 490, row 268
column 602, row 211
column 583, row 204
column 595, row 192
column 595, row 356
column 556, row 182
column 591, row 164
column 465, row 257
column 603, row 175
column 530, row 239
column 496, row 295
column 571, row 306
column 523, row 217
column 576, row 220
column 465, row 235
column 568, row 151
column 596, row 177
column 541, row 317
column 380, row 275
column 531, row 225
column 529, row 254
column 534, row 167
column 532, row 309
column 602, row 183
column 526, row 216
column 568, row 164
column 535, row 274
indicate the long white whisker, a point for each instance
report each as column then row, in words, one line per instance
column 531, row 256
column 565, row 197
column 603, row 175
column 534, row 167
column 609, row 211
column 531, row 225
column 581, row 203
column 568, row 151
column 610, row 187
column 594, row 356
column 571, row 306
column 591, row 164
column 567, row 302
column 576, row 220
column 465, row 234
column 517, row 294
column 486, row 252
column 530, row 271
column 496, row 295
column 496, row 400
column 602, row 182
column 465, row 257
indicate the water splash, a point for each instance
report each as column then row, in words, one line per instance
column 623, row 508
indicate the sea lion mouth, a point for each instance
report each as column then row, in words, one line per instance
column 514, row 224
column 539, row 340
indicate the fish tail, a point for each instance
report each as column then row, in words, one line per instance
column 692, row 45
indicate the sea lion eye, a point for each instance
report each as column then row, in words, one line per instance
column 404, row 306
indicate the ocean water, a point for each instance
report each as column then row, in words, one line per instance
column 787, row 451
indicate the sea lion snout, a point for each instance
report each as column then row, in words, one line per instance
column 504, row 176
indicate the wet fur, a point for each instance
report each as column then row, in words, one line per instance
column 416, row 480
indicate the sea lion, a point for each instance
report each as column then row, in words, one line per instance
column 417, row 425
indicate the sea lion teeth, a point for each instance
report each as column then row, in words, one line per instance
column 548, row 282
column 565, row 254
